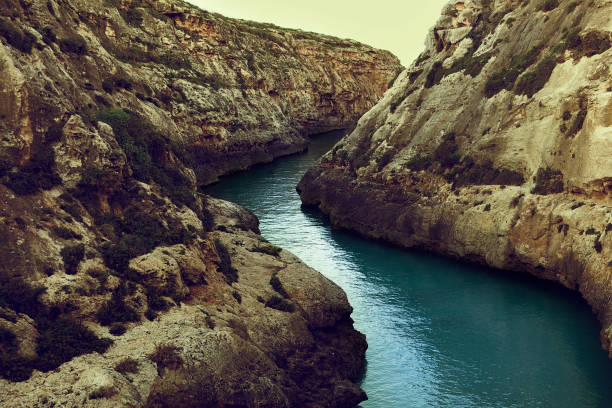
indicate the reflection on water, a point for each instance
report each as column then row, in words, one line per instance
column 440, row 333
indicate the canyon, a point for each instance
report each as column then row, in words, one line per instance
column 120, row 284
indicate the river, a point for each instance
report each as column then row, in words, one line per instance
column 440, row 333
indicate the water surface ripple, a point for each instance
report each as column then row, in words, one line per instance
column 440, row 333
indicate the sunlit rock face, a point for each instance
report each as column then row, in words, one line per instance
column 120, row 285
column 235, row 92
column 493, row 146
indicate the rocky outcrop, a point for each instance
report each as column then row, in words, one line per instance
column 230, row 92
column 222, row 345
column 492, row 147
column 120, row 285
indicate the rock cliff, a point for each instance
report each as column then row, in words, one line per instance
column 493, row 146
column 120, row 285
column 234, row 92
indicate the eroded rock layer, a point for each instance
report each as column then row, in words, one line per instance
column 494, row 146
column 120, row 285
column 231, row 92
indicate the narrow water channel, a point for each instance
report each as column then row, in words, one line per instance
column 440, row 333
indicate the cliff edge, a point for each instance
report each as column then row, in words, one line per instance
column 120, row 284
column 493, row 146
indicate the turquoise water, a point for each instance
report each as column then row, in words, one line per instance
column 440, row 333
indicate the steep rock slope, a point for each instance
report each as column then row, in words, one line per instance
column 231, row 92
column 494, row 146
column 120, row 285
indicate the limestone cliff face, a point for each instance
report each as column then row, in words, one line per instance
column 210, row 344
column 120, row 285
column 232, row 92
column 494, row 146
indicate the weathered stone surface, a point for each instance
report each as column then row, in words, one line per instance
column 101, row 225
column 232, row 92
column 465, row 156
column 232, row 352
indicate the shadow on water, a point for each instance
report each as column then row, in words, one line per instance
column 441, row 333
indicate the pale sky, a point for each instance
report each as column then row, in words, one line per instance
column 399, row 26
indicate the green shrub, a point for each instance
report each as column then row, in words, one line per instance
column 108, row 85
column 548, row 181
column 139, row 234
column 116, row 310
column 237, row 296
column 150, row 314
column 470, row 64
column 166, row 357
column 117, row 329
column 446, row 153
column 419, row 163
column 281, row 304
column 37, row 174
column 278, row 286
column 22, row 183
column 99, row 274
column 549, row 5
column 74, row 44
column 595, row 42
column 145, row 149
column 532, row 82
column 173, row 60
column 505, row 78
column 225, row 263
column 123, row 83
column 155, row 300
column 127, row 365
column 15, row 36
column 92, row 177
column 19, row 296
column 66, row 233
column 103, row 392
column 597, row 245
column 132, row 16
column 268, row 249
column 61, row 340
column 48, row 35
column 72, row 256
column 7, row 337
